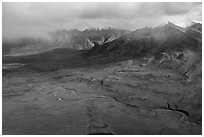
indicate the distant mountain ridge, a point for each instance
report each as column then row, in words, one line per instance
column 72, row 39
column 106, row 41
column 81, row 40
column 153, row 40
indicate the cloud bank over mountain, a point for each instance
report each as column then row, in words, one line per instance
column 37, row 19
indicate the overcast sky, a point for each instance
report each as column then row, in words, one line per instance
column 36, row 19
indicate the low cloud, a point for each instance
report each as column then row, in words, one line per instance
column 37, row 19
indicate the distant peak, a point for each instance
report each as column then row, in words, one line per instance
column 169, row 24
column 195, row 25
column 196, row 22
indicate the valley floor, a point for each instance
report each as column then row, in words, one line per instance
column 114, row 99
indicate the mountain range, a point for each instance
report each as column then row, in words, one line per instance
column 168, row 37
column 72, row 39
column 168, row 45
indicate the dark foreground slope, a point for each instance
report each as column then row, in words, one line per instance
column 121, row 98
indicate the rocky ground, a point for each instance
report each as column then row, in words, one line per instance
column 120, row 98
